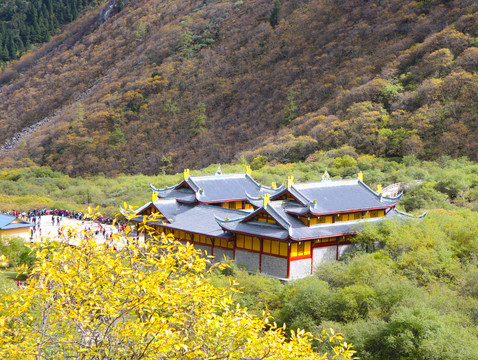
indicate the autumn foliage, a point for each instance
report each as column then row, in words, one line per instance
column 137, row 301
column 164, row 85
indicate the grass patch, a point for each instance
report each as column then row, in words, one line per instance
column 8, row 279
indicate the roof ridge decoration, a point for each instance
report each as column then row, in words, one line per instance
column 131, row 211
column 421, row 216
column 186, row 173
column 398, row 197
column 161, row 190
column 252, row 198
column 379, row 192
column 218, row 171
column 267, row 209
column 328, row 183
column 155, row 216
column 216, row 175
column 190, row 182
column 275, row 189
column 297, row 192
column 294, row 192
column 289, row 226
column 248, row 176
column 127, row 213
column 248, row 171
column 262, row 186
column 312, row 205
column 290, row 181
column 325, row 175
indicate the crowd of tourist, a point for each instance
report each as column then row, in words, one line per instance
column 58, row 215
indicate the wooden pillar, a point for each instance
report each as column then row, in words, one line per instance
column 288, row 259
column 337, row 252
column 311, row 256
column 234, row 248
column 260, row 255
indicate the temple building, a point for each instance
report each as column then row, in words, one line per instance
column 282, row 232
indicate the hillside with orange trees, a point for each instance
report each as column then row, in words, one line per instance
column 163, row 85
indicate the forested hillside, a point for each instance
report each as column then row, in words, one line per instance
column 164, row 85
column 26, row 22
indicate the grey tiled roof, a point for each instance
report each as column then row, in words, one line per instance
column 297, row 230
column 295, row 193
column 325, row 197
column 216, row 188
column 335, row 196
column 182, row 194
column 193, row 218
column 255, row 228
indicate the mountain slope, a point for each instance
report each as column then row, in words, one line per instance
column 187, row 83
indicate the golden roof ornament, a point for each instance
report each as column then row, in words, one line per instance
column 290, row 181
column 154, row 196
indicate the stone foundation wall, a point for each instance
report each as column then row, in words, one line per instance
column 219, row 254
column 274, row 266
column 249, row 259
column 204, row 248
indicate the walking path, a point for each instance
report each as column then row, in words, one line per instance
column 57, row 231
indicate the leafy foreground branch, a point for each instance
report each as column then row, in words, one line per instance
column 145, row 301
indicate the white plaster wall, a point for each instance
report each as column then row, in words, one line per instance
column 300, row 268
column 324, row 255
column 345, row 249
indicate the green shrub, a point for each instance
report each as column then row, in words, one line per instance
column 17, row 252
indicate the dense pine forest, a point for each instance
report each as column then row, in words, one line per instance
column 24, row 22
column 163, row 85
